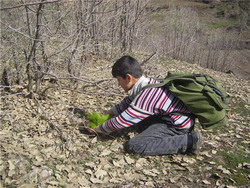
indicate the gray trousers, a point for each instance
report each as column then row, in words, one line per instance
column 159, row 139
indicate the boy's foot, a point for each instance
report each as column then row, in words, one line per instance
column 196, row 145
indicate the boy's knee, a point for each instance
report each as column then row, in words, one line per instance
column 131, row 147
column 127, row 147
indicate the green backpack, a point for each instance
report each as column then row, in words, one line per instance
column 201, row 94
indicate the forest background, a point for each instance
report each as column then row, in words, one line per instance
column 57, row 38
column 56, row 57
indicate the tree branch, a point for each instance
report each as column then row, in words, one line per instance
column 144, row 61
column 19, row 32
column 29, row 4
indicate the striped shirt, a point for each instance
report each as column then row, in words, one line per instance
column 133, row 109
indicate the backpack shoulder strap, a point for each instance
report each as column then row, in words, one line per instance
column 170, row 77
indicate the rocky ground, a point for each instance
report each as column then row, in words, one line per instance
column 42, row 146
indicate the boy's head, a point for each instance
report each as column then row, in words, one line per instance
column 126, row 65
column 127, row 70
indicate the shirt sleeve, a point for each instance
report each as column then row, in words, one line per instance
column 149, row 102
column 127, row 118
column 124, row 104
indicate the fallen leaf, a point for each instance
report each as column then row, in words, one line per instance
column 150, row 184
column 142, row 161
column 246, row 165
column 206, row 182
column 88, row 171
column 27, row 186
column 90, row 164
column 100, row 173
column 218, row 183
column 11, row 173
column 95, row 180
column 223, row 170
column 83, row 181
column 214, row 151
column 116, row 164
column 53, row 183
column 94, row 140
column 172, row 180
column 129, row 160
column 71, row 175
column 188, row 160
column 11, row 165
column 190, row 169
column 44, row 174
column 115, row 180
column 211, row 162
column 149, row 173
column 105, row 152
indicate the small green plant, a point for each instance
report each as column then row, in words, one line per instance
column 96, row 119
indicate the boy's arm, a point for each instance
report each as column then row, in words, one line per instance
column 119, row 108
column 127, row 118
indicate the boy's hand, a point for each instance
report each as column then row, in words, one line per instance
column 90, row 131
column 84, row 129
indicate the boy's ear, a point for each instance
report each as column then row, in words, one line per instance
column 128, row 77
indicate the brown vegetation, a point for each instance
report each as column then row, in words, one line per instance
column 56, row 57
column 41, row 144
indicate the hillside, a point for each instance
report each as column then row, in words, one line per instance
column 219, row 29
column 41, row 144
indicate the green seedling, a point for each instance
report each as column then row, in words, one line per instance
column 96, row 119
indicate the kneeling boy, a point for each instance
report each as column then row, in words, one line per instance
column 156, row 110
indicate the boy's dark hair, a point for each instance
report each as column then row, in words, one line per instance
column 127, row 65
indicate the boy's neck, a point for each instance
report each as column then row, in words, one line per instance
column 133, row 82
column 138, row 85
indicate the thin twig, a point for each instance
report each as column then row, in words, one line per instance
column 29, row 4
column 1, row 86
column 17, row 31
column 21, row 93
column 146, row 60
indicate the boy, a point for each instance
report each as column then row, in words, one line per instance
column 164, row 133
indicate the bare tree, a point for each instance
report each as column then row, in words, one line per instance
column 60, row 38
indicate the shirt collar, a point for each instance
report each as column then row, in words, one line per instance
column 143, row 81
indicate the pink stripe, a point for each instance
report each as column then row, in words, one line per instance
column 135, row 115
column 153, row 98
column 141, row 98
column 110, row 126
column 172, row 106
column 123, row 122
column 157, row 98
column 175, row 117
column 147, row 100
column 163, row 100
column 185, row 123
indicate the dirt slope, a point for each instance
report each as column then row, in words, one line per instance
column 41, row 145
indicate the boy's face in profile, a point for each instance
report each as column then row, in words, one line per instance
column 126, row 83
